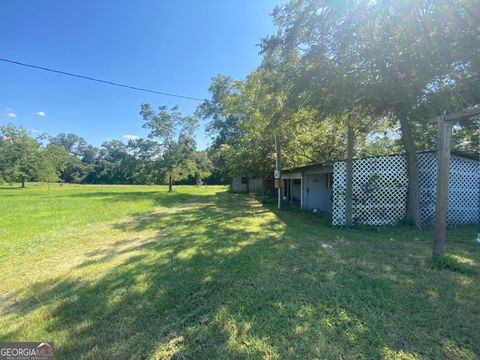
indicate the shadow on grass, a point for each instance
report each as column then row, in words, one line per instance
column 224, row 277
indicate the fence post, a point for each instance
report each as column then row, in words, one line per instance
column 349, row 163
column 443, row 172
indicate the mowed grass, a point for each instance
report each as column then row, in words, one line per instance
column 135, row 272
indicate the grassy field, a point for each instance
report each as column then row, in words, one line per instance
column 135, row 272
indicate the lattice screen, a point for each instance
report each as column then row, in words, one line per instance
column 380, row 189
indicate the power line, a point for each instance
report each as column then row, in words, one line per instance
column 101, row 81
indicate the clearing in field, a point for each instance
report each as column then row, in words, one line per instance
column 137, row 272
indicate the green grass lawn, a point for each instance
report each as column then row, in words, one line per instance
column 135, row 272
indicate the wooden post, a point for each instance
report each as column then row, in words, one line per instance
column 349, row 163
column 443, row 172
column 302, row 186
column 278, row 170
column 444, row 125
column 290, row 191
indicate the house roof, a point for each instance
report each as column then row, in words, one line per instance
column 329, row 165
column 309, row 167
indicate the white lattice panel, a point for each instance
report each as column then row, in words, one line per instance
column 427, row 173
column 380, row 190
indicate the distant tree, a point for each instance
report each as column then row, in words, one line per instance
column 114, row 150
column 177, row 160
column 90, row 154
column 217, row 175
column 19, row 155
column 143, row 149
column 74, row 170
column 53, row 161
column 144, row 155
column 174, row 134
column 113, row 166
column 202, row 166
column 74, row 144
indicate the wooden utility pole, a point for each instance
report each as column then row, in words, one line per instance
column 349, row 163
column 444, row 139
column 278, row 171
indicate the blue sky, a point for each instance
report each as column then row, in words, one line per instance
column 171, row 46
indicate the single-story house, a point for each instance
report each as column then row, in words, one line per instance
column 253, row 184
column 380, row 186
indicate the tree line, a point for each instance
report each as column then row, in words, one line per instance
column 392, row 65
column 167, row 155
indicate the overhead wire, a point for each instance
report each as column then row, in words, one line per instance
column 85, row 77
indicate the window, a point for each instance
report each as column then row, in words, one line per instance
column 243, row 180
column 297, row 181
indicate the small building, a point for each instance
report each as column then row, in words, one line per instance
column 255, row 185
column 309, row 186
column 380, row 186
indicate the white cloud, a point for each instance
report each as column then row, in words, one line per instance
column 130, row 137
column 35, row 131
column 12, row 115
column 40, row 113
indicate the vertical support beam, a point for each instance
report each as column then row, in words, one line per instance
column 349, row 184
column 301, row 189
column 291, row 191
column 443, row 172
column 278, row 171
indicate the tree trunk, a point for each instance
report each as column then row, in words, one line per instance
column 23, row 182
column 170, row 184
column 413, row 201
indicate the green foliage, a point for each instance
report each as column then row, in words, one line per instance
column 174, row 132
column 169, row 150
column 19, row 155
column 55, row 159
column 73, row 144
column 202, row 167
column 245, row 114
column 412, row 60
